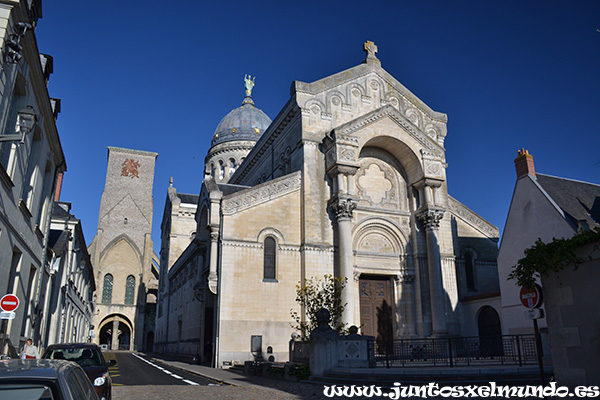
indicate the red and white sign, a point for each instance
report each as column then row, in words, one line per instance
column 531, row 297
column 9, row 302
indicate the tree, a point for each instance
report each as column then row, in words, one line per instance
column 314, row 294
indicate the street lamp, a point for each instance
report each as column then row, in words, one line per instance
column 26, row 120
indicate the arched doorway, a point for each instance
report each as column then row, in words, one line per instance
column 490, row 332
column 115, row 333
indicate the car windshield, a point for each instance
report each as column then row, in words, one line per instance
column 84, row 356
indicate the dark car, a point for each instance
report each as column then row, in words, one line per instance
column 44, row 380
column 90, row 358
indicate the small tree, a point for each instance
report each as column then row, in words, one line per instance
column 314, row 294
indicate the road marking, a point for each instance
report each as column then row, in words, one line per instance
column 166, row 371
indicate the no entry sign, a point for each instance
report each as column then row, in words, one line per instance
column 531, row 297
column 9, row 302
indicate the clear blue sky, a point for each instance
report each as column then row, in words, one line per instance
column 159, row 76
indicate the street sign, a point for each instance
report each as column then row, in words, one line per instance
column 9, row 302
column 531, row 297
column 534, row 313
column 7, row 315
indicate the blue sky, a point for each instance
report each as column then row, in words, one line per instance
column 159, row 76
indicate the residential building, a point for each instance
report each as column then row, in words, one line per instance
column 31, row 157
column 545, row 207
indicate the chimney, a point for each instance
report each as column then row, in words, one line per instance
column 524, row 164
column 59, row 180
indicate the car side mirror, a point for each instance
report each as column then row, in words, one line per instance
column 112, row 362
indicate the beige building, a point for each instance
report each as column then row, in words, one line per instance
column 124, row 261
column 348, row 179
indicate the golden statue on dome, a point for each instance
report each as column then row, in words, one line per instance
column 249, row 84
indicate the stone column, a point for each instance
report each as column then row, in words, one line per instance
column 115, row 336
column 343, row 211
column 431, row 217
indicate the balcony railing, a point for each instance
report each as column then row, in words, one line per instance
column 454, row 352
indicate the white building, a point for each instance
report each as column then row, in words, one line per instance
column 70, row 288
column 31, row 156
column 348, row 179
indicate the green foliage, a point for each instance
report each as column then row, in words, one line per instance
column 314, row 294
column 544, row 258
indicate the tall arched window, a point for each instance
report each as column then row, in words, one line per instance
column 470, row 270
column 270, row 249
column 107, row 289
column 129, row 289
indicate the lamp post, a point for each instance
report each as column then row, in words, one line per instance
column 26, row 120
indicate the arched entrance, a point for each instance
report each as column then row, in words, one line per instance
column 490, row 332
column 115, row 333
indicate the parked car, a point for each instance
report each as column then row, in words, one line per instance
column 44, row 380
column 90, row 358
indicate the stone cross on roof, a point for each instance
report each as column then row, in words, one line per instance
column 371, row 49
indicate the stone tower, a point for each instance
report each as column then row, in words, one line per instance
column 122, row 253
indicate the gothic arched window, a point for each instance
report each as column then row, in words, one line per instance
column 107, row 289
column 129, row 289
column 270, row 258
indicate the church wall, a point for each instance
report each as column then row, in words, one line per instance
column 251, row 305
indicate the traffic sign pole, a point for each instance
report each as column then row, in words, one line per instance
column 8, row 302
column 532, row 299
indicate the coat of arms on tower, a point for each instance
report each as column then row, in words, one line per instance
column 130, row 168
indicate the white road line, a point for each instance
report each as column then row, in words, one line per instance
column 166, row 371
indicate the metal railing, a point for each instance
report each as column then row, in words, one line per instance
column 457, row 351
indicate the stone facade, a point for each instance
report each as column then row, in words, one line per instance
column 122, row 253
column 349, row 179
column 31, row 157
column 69, row 290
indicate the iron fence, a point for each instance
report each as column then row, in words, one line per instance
column 457, row 351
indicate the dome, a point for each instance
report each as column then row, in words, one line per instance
column 243, row 123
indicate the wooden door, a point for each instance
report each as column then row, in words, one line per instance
column 376, row 307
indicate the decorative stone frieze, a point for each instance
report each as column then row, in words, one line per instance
column 472, row 219
column 262, row 193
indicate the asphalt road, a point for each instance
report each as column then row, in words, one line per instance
column 136, row 370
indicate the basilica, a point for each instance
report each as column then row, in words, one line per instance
column 348, row 179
